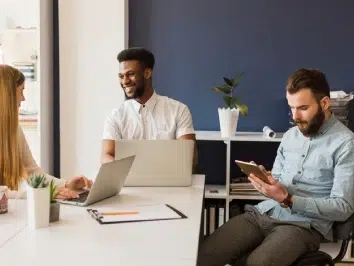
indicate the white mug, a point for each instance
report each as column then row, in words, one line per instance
column 3, row 199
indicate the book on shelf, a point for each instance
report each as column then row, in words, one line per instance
column 214, row 215
column 240, row 179
column 243, row 188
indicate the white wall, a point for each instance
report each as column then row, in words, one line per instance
column 45, row 78
column 18, row 13
column 91, row 34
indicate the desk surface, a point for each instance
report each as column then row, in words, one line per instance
column 79, row 239
column 14, row 221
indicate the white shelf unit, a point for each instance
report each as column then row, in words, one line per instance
column 223, row 192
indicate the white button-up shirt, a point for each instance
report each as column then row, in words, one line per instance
column 159, row 118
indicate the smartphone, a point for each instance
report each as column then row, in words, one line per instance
column 253, row 168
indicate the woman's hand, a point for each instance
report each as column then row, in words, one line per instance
column 65, row 193
column 78, row 183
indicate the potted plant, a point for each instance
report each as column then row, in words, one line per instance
column 54, row 205
column 228, row 117
column 38, row 199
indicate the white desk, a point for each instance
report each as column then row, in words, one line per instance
column 80, row 240
column 13, row 222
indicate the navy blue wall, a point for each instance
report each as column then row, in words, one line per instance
column 197, row 42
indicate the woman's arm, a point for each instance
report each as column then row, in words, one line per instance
column 30, row 165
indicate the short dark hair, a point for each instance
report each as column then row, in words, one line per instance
column 312, row 79
column 137, row 53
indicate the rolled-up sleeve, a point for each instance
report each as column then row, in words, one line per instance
column 339, row 205
column 184, row 123
column 111, row 130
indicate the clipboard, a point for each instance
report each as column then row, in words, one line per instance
column 132, row 214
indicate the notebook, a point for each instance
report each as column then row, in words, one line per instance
column 139, row 213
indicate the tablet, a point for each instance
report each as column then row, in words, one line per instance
column 253, row 168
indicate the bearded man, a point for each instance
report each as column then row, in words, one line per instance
column 309, row 187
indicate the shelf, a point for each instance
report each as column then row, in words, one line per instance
column 240, row 136
column 28, row 122
column 247, row 197
column 221, row 194
column 348, row 260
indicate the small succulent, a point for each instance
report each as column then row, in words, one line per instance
column 53, row 192
column 38, row 181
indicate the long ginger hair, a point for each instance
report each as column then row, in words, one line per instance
column 11, row 165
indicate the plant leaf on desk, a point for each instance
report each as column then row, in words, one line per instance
column 223, row 89
column 53, row 192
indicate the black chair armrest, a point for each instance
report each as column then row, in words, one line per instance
column 342, row 230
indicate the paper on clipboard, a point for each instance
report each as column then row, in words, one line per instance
column 138, row 213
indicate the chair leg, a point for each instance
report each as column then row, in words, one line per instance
column 342, row 252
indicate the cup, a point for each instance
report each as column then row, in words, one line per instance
column 3, row 199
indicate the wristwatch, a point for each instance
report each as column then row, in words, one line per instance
column 286, row 203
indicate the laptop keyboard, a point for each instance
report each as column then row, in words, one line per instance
column 82, row 197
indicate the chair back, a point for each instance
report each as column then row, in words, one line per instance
column 343, row 230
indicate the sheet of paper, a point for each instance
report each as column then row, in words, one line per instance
column 145, row 212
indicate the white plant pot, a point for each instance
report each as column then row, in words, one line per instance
column 38, row 204
column 228, row 119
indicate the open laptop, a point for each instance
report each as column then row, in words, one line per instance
column 108, row 183
column 165, row 163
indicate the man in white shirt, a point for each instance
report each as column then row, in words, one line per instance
column 144, row 114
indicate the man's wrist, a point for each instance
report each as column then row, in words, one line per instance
column 287, row 201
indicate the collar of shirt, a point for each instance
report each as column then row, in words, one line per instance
column 328, row 124
column 324, row 128
column 150, row 104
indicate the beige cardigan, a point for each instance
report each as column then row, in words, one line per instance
column 31, row 167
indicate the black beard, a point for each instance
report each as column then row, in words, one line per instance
column 314, row 124
column 139, row 91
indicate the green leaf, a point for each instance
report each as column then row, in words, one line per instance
column 53, row 192
column 223, row 89
column 231, row 101
column 38, row 181
column 228, row 81
column 243, row 109
column 235, row 81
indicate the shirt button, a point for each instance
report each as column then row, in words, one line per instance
column 143, row 105
column 303, row 155
column 299, row 172
column 294, row 182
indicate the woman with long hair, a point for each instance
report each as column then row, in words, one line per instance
column 16, row 160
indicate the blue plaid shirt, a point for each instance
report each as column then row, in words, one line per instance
column 319, row 173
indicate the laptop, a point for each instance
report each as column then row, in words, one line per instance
column 166, row 163
column 108, row 183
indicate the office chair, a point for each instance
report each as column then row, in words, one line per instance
column 341, row 231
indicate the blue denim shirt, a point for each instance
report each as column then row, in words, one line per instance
column 319, row 173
